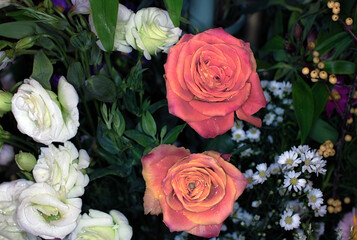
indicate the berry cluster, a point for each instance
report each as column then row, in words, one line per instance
column 326, row 149
column 336, row 9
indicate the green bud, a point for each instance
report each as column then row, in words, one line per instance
column 26, row 42
column 5, row 102
column 25, row 161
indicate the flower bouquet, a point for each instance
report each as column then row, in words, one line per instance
column 177, row 119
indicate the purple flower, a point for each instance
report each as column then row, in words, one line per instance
column 348, row 221
column 61, row 5
column 340, row 94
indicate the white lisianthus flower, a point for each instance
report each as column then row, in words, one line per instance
column 151, row 30
column 120, row 43
column 81, row 6
column 98, row 225
column 61, row 169
column 4, row 60
column 38, row 111
column 45, row 213
column 9, row 193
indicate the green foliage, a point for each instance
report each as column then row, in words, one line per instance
column 42, row 69
column 75, row 75
column 322, row 131
column 174, row 8
column 340, row 67
column 102, row 88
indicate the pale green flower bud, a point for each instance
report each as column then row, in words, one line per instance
column 5, row 102
column 26, row 42
column 151, row 31
column 25, row 161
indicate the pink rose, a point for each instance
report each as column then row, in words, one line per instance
column 195, row 192
column 210, row 76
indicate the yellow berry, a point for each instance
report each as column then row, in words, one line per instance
column 323, row 75
column 355, row 95
column 311, row 45
column 314, row 80
column 333, row 152
column 315, row 53
column 337, row 209
column 330, row 209
column 321, row 65
column 336, row 10
column 330, row 4
column 350, row 120
column 337, row 203
column 326, row 154
column 314, row 74
column 330, row 144
column 316, row 60
column 330, row 201
column 347, row 200
column 332, row 79
column 305, row 70
column 335, row 17
column 323, row 148
column 320, row 152
column 349, row 21
column 336, row 95
column 352, row 110
column 348, row 138
column 336, row 4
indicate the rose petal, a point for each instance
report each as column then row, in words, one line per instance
column 155, row 167
column 214, row 126
column 151, row 204
column 206, row 231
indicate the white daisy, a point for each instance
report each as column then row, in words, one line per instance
column 270, row 107
column 274, row 168
column 267, row 96
column 320, row 167
column 291, row 181
column 301, row 149
column 249, row 176
column 287, row 101
column 288, row 221
column 308, row 186
column 253, row 134
column 296, row 206
column 246, row 153
column 276, row 88
column 264, row 83
column 239, row 135
column 309, row 160
column 237, row 125
column 289, row 159
column 269, row 118
column 279, row 111
column 299, row 235
column 315, row 198
column 321, row 211
column 256, row 204
column 286, row 86
column 279, row 119
column 262, row 174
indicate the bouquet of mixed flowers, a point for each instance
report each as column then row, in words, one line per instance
column 155, row 120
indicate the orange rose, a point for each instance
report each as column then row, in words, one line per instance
column 195, row 192
column 210, row 76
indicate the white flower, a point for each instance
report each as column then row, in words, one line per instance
column 274, row 168
column 279, row 111
column 256, row 204
column 237, row 125
column 286, row 86
column 43, row 212
column 6, row 154
column 296, row 206
column 9, row 193
column 238, row 135
column 61, row 169
column 4, row 60
column 264, row 83
column 315, row 198
column 253, row 134
column 249, row 176
column 246, row 153
column 81, row 6
column 287, row 101
column 269, row 118
column 276, row 89
column 267, row 96
column 99, row 225
column 308, row 186
column 151, row 30
column 321, row 211
column 291, row 181
column 289, row 159
column 288, row 221
column 38, row 112
column 300, row 235
column 301, row 149
column 120, row 43
column 262, row 174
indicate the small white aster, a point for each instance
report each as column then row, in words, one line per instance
column 279, row 111
column 279, row 119
column 300, row 235
column 291, row 181
column 286, row 86
column 287, row 101
column 321, row 211
column 253, row 134
column 289, row 159
column 301, row 149
column 246, row 153
column 315, row 198
column 267, row 96
column 270, row 107
column 274, row 168
column 249, row 176
column 288, row 221
column 308, row 186
column 269, row 118
column 239, row 135
column 237, row 125
column 261, row 175
column 264, row 83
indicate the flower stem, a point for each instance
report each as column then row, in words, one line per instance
column 348, row 29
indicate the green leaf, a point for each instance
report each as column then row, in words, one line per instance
column 320, row 95
column 106, row 141
column 120, row 171
column 330, row 42
column 274, row 44
column 75, row 75
column 340, row 67
column 18, row 29
column 222, row 143
column 42, row 70
column 322, row 131
column 148, row 124
column 303, row 103
column 174, row 8
column 101, row 88
column 173, row 134
column 140, row 138
column 104, row 15
column 284, row 4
